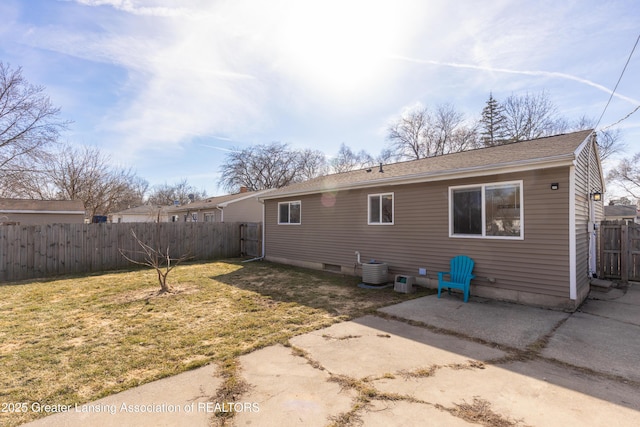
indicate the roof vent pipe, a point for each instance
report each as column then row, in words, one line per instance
column 381, row 171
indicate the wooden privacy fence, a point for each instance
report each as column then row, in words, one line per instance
column 36, row 251
column 620, row 250
column 251, row 239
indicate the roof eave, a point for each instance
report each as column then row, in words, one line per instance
column 476, row 171
column 239, row 199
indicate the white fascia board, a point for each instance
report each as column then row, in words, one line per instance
column 588, row 141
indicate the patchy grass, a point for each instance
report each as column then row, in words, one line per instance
column 480, row 412
column 74, row 340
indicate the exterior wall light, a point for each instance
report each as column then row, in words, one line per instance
column 596, row 196
column 555, row 186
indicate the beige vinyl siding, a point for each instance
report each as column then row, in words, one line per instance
column 40, row 219
column 334, row 226
column 588, row 179
column 581, row 222
column 247, row 210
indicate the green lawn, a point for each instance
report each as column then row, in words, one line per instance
column 74, row 340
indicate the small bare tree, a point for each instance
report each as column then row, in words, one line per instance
column 157, row 258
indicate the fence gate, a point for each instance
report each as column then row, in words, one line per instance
column 620, row 250
column 251, row 239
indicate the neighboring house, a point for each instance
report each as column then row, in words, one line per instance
column 38, row 212
column 628, row 213
column 523, row 211
column 144, row 213
column 240, row 207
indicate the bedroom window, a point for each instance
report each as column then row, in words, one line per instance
column 381, row 209
column 289, row 212
column 486, row 210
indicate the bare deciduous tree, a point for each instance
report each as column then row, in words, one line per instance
column 450, row 132
column 311, row 164
column 531, row 116
column 407, row 134
column 418, row 133
column 181, row 191
column 133, row 194
column 85, row 174
column 81, row 173
column 274, row 165
column 29, row 123
column 609, row 140
column 346, row 160
column 609, row 143
column 627, row 175
column 157, row 258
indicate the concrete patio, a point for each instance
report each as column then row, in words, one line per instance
column 426, row 361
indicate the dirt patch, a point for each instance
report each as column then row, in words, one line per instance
column 147, row 294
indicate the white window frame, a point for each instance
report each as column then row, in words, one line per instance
column 483, row 187
column 292, row 202
column 393, row 208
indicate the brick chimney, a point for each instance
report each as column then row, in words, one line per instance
column 243, row 189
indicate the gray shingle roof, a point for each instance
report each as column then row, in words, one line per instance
column 208, row 203
column 213, row 202
column 522, row 155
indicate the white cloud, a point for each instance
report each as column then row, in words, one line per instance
column 136, row 7
column 552, row 74
column 242, row 68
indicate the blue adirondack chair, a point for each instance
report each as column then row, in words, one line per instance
column 459, row 276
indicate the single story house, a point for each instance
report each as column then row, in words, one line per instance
column 144, row 213
column 39, row 212
column 627, row 213
column 526, row 212
column 239, row 207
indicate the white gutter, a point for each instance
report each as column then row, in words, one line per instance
column 221, row 213
column 264, row 223
column 573, row 289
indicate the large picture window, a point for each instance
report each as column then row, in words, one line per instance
column 486, row 210
column 289, row 213
column 381, row 209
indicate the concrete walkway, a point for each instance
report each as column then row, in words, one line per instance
column 422, row 362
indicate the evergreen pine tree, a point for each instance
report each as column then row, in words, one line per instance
column 492, row 123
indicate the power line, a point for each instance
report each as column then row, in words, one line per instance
column 619, row 78
column 622, row 119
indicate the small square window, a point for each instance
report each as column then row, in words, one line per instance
column 289, row 212
column 381, row 208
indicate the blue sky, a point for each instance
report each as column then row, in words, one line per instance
column 168, row 87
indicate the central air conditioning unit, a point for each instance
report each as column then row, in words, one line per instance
column 375, row 273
